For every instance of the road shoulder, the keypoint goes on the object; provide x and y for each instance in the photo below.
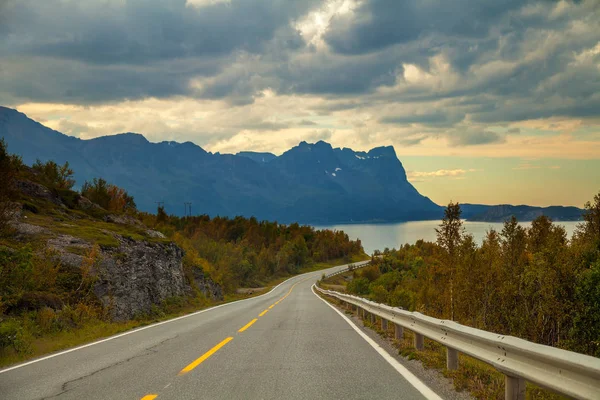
(431, 378)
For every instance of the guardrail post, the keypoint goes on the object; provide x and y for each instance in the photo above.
(419, 341)
(384, 324)
(514, 388)
(398, 332)
(451, 358)
(373, 318)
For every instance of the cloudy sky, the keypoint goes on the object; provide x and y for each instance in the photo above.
(487, 101)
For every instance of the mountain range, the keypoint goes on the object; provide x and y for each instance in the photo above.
(310, 183)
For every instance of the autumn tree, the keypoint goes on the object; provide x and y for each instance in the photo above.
(110, 197)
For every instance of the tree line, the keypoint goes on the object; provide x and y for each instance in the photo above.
(533, 283)
(247, 252)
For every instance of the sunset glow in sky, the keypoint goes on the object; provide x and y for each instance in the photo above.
(484, 101)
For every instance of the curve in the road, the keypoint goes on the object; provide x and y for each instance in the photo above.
(262, 347)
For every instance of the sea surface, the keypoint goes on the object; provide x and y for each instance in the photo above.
(393, 235)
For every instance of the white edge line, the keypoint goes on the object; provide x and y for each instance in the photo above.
(139, 329)
(401, 369)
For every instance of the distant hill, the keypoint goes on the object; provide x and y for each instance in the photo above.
(310, 183)
(500, 213)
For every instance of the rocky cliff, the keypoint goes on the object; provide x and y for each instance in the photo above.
(135, 275)
(135, 268)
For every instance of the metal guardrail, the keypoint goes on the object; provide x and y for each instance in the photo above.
(568, 373)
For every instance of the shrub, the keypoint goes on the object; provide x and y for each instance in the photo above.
(402, 298)
(54, 176)
(46, 319)
(12, 336)
(71, 317)
(30, 207)
(370, 273)
(107, 196)
(68, 197)
(359, 286)
(39, 300)
(379, 294)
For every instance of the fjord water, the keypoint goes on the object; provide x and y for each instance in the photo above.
(379, 236)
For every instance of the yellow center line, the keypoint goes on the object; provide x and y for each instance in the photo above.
(263, 313)
(205, 356)
(248, 325)
(271, 306)
(150, 397)
(290, 291)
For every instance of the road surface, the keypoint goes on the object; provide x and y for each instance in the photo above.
(285, 344)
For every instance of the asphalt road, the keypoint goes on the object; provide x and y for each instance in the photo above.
(294, 346)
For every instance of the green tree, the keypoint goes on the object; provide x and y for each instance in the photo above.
(9, 168)
(449, 238)
(591, 216)
(54, 176)
(97, 192)
(359, 286)
(586, 325)
(161, 215)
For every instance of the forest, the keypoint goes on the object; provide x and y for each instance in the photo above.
(533, 283)
(245, 252)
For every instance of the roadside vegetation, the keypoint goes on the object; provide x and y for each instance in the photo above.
(47, 305)
(245, 252)
(533, 283)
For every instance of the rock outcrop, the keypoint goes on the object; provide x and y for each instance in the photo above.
(32, 189)
(207, 286)
(137, 275)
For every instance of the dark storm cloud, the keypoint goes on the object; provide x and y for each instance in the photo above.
(55, 80)
(377, 24)
(325, 74)
(97, 51)
(143, 31)
(508, 60)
